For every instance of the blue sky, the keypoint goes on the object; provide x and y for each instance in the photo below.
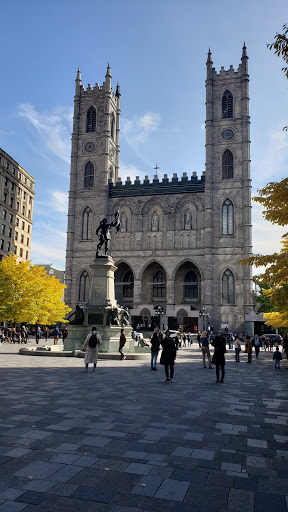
(157, 50)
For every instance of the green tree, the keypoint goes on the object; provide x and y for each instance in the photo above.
(28, 294)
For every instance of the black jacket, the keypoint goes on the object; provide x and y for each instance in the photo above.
(168, 355)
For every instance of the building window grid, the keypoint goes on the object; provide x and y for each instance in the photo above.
(128, 285)
(159, 285)
(191, 285)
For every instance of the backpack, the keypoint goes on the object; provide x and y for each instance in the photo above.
(93, 341)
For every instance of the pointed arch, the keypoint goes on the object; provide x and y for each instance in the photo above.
(86, 224)
(228, 287)
(91, 120)
(227, 105)
(112, 128)
(89, 175)
(227, 165)
(84, 286)
(228, 218)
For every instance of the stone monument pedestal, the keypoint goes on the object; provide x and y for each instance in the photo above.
(101, 311)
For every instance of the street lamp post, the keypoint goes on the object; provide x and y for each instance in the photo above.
(203, 314)
(159, 311)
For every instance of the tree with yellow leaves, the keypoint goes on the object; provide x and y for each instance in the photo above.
(274, 198)
(28, 294)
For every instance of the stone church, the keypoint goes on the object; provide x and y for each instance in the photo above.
(181, 238)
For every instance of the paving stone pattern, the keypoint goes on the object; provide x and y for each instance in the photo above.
(122, 439)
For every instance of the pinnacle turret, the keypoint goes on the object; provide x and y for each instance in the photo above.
(118, 93)
(209, 58)
(244, 59)
(78, 81)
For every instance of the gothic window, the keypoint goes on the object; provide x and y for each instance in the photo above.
(227, 105)
(228, 288)
(159, 285)
(128, 284)
(86, 223)
(84, 286)
(191, 285)
(227, 165)
(91, 120)
(113, 126)
(89, 175)
(227, 218)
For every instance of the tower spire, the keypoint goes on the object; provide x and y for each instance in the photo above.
(209, 64)
(108, 78)
(244, 59)
(78, 81)
(209, 58)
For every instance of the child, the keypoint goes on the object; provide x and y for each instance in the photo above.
(277, 356)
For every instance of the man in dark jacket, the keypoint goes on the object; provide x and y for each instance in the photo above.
(219, 344)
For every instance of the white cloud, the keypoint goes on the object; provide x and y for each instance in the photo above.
(48, 245)
(59, 200)
(272, 166)
(138, 130)
(266, 236)
(131, 171)
(7, 132)
(54, 128)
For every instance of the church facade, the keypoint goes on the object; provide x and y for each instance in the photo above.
(181, 238)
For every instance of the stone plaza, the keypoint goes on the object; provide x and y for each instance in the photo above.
(123, 440)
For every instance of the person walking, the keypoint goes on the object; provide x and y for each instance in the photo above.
(64, 334)
(168, 356)
(198, 339)
(38, 334)
(277, 356)
(248, 348)
(56, 334)
(256, 343)
(237, 345)
(204, 340)
(91, 344)
(46, 333)
(219, 344)
(155, 346)
(122, 342)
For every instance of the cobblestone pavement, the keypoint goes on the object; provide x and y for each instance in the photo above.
(122, 439)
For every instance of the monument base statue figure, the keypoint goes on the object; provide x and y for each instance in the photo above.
(79, 316)
(103, 231)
